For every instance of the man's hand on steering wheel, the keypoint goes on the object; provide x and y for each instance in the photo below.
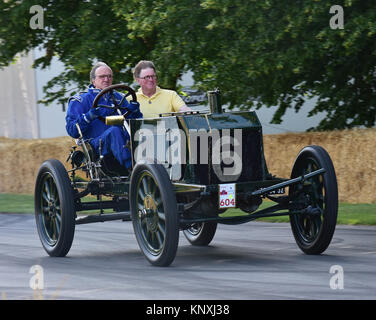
(133, 106)
(93, 113)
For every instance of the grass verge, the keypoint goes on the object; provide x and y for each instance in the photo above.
(351, 214)
(348, 213)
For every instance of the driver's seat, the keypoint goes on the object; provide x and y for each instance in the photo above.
(112, 167)
(109, 164)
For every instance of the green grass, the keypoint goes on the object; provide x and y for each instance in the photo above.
(17, 203)
(24, 203)
(352, 214)
(363, 213)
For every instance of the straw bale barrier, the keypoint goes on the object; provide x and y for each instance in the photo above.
(353, 153)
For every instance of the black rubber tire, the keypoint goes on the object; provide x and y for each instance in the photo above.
(313, 234)
(201, 234)
(54, 208)
(156, 231)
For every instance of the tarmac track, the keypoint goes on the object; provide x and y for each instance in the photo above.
(251, 261)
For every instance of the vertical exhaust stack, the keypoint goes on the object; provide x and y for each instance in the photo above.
(214, 98)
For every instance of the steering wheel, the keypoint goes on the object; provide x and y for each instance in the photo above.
(116, 105)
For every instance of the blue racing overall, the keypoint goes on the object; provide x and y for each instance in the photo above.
(112, 139)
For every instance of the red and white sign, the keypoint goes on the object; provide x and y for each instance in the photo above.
(227, 195)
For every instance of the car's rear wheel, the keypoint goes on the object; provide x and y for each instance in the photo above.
(54, 208)
(313, 231)
(154, 213)
(201, 234)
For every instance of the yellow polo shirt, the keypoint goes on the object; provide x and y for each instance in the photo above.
(162, 101)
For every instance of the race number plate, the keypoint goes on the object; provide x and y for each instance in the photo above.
(277, 191)
(227, 195)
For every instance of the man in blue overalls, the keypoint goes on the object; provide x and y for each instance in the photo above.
(110, 139)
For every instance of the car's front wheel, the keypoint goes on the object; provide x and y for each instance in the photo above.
(154, 213)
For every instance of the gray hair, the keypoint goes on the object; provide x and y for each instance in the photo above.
(94, 69)
(143, 64)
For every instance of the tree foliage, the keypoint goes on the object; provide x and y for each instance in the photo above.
(273, 53)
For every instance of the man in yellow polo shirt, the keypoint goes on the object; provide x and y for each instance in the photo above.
(154, 100)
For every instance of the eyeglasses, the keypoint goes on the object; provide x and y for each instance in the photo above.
(102, 76)
(152, 77)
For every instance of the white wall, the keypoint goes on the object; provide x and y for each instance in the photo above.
(51, 117)
(18, 109)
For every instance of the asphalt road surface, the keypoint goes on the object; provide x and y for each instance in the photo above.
(251, 261)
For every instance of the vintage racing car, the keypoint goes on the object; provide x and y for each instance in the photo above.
(188, 169)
